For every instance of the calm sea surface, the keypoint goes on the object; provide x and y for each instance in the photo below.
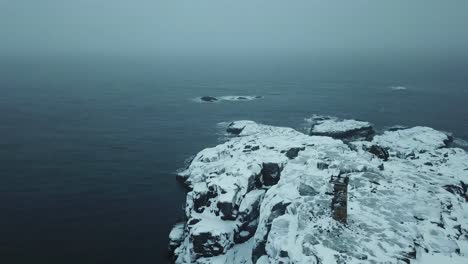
(89, 146)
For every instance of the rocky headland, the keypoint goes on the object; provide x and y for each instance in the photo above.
(339, 194)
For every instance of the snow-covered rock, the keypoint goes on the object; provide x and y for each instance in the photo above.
(265, 196)
(419, 139)
(177, 236)
(345, 129)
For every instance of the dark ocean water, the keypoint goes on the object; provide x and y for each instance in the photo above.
(89, 146)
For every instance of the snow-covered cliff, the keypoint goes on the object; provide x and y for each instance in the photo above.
(265, 196)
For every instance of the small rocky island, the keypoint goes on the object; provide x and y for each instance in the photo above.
(234, 98)
(340, 194)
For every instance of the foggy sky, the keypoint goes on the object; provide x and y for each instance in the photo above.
(194, 27)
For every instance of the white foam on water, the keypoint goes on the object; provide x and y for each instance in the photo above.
(398, 88)
(197, 100)
(239, 97)
(460, 143)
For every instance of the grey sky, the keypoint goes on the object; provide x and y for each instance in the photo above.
(185, 27)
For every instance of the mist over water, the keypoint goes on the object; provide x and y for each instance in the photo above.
(425, 28)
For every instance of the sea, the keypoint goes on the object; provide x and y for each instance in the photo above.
(90, 145)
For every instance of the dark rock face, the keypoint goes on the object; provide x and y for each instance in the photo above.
(202, 199)
(246, 231)
(234, 130)
(271, 173)
(193, 222)
(276, 211)
(209, 99)
(208, 245)
(254, 182)
(249, 218)
(396, 128)
(228, 210)
(259, 251)
(293, 152)
(181, 179)
(458, 190)
(449, 140)
(380, 152)
(366, 133)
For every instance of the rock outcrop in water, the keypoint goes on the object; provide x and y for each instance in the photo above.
(270, 195)
(212, 99)
(347, 129)
(209, 99)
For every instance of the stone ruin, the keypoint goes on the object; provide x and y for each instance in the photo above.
(339, 204)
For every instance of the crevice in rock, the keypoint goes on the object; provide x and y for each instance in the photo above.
(277, 210)
(271, 173)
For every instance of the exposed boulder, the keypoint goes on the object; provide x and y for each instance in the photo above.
(322, 165)
(293, 152)
(209, 99)
(380, 152)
